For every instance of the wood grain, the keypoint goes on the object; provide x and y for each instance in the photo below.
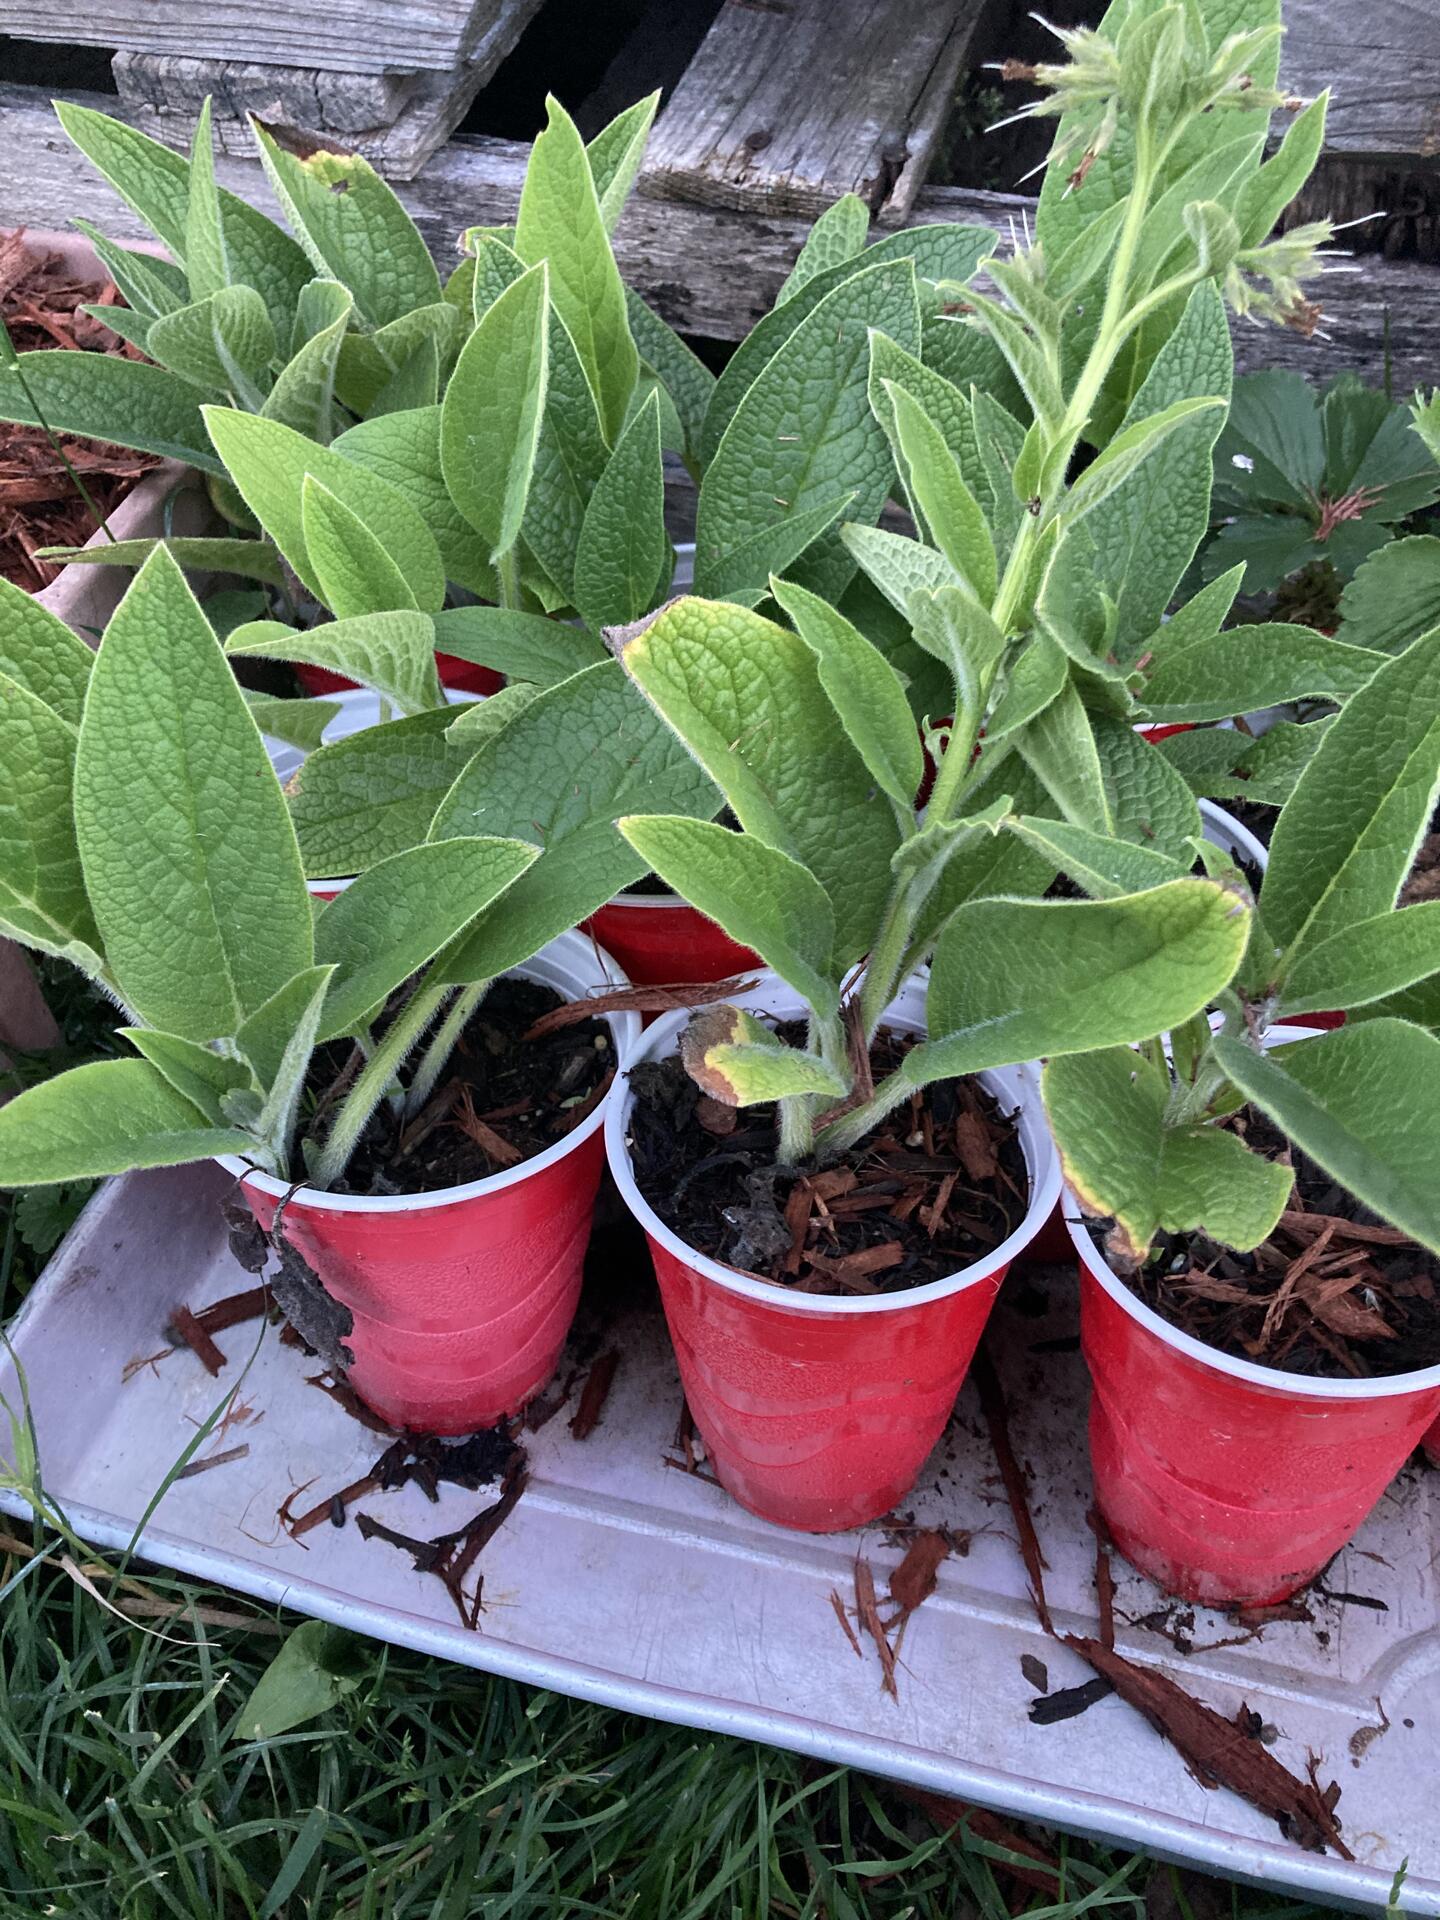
(352, 35)
(715, 273)
(1382, 62)
(790, 103)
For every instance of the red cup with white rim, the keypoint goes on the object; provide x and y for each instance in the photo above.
(1230, 1483)
(818, 1413)
(462, 1298)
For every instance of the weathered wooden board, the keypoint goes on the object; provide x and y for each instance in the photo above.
(1382, 62)
(396, 36)
(715, 273)
(790, 103)
(396, 120)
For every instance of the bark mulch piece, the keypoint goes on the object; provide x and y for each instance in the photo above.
(594, 1394)
(914, 1580)
(509, 1096)
(1217, 1751)
(41, 301)
(1040, 1871)
(197, 1339)
(654, 999)
(936, 1186)
(1334, 1293)
(450, 1556)
(221, 1459)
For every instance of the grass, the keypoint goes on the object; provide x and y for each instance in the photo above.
(390, 1786)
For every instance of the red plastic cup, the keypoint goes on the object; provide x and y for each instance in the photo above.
(1431, 1444)
(1164, 732)
(463, 675)
(462, 1298)
(659, 941)
(1227, 1482)
(818, 1413)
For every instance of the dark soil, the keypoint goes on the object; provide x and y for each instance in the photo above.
(1424, 881)
(41, 301)
(1258, 818)
(936, 1185)
(1334, 1294)
(506, 1098)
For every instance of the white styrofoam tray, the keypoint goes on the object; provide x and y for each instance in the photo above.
(621, 1580)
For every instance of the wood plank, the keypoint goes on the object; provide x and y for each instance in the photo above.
(684, 259)
(1383, 63)
(395, 120)
(400, 36)
(790, 103)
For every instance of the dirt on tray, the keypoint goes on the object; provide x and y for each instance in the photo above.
(41, 301)
(505, 1097)
(1334, 1294)
(938, 1184)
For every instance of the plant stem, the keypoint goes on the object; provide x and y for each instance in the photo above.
(375, 1077)
(15, 366)
(507, 568)
(797, 1130)
(441, 1045)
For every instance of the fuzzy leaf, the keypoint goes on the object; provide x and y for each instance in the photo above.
(761, 897)
(685, 376)
(481, 720)
(254, 559)
(898, 566)
(403, 449)
(738, 1061)
(356, 574)
(581, 755)
(1336, 1098)
(522, 646)
(615, 155)
(1347, 837)
(1367, 960)
(490, 419)
(560, 222)
(1215, 676)
(197, 1073)
(190, 860)
(1038, 674)
(373, 793)
(1107, 1112)
(303, 396)
(712, 669)
(398, 914)
(99, 396)
(1102, 867)
(1394, 596)
(804, 431)
(353, 228)
(393, 652)
(623, 550)
(1017, 980)
(772, 549)
(864, 689)
(836, 237)
(951, 512)
(43, 655)
(42, 889)
(224, 342)
(110, 1117)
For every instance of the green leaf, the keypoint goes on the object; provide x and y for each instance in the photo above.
(951, 512)
(198, 1074)
(303, 396)
(1147, 801)
(403, 449)
(1134, 448)
(1102, 867)
(571, 456)
(368, 369)
(1265, 769)
(355, 573)
(190, 861)
(225, 342)
(254, 559)
(560, 222)
(99, 396)
(864, 689)
(156, 183)
(745, 697)
(687, 379)
(393, 652)
(317, 1667)
(111, 1117)
(481, 720)
(299, 723)
(149, 285)
(615, 155)
(624, 549)
(836, 237)
(1367, 960)
(738, 1061)
(490, 418)
(772, 549)
(1394, 596)
(1338, 1099)
(266, 1039)
(804, 431)
(1018, 980)
(1270, 189)
(373, 793)
(398, 914)
(522, 646)
(1038, 674)
(353, 229)
(1346, 838)
(581, 755)
(927, 854)
(1107, 1112)
(897, 565)
(1216, 675)
(1059, 746)
(761, 897)
(42, 890)
(268, 462)
(43, 655)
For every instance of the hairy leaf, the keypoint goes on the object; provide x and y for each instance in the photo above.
(110, 1117)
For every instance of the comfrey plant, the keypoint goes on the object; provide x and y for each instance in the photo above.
(148, 842)
(1142, 1135)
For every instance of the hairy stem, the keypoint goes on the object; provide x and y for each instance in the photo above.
(375, 1077)
(507, 568)
(797, 1130)
(441, 1045)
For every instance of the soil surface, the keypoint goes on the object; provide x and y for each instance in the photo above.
(938, 1184)
(1334, 1293)
(41, 302)
(504, 1099)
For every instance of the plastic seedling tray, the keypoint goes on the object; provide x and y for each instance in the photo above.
(622, 1580)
